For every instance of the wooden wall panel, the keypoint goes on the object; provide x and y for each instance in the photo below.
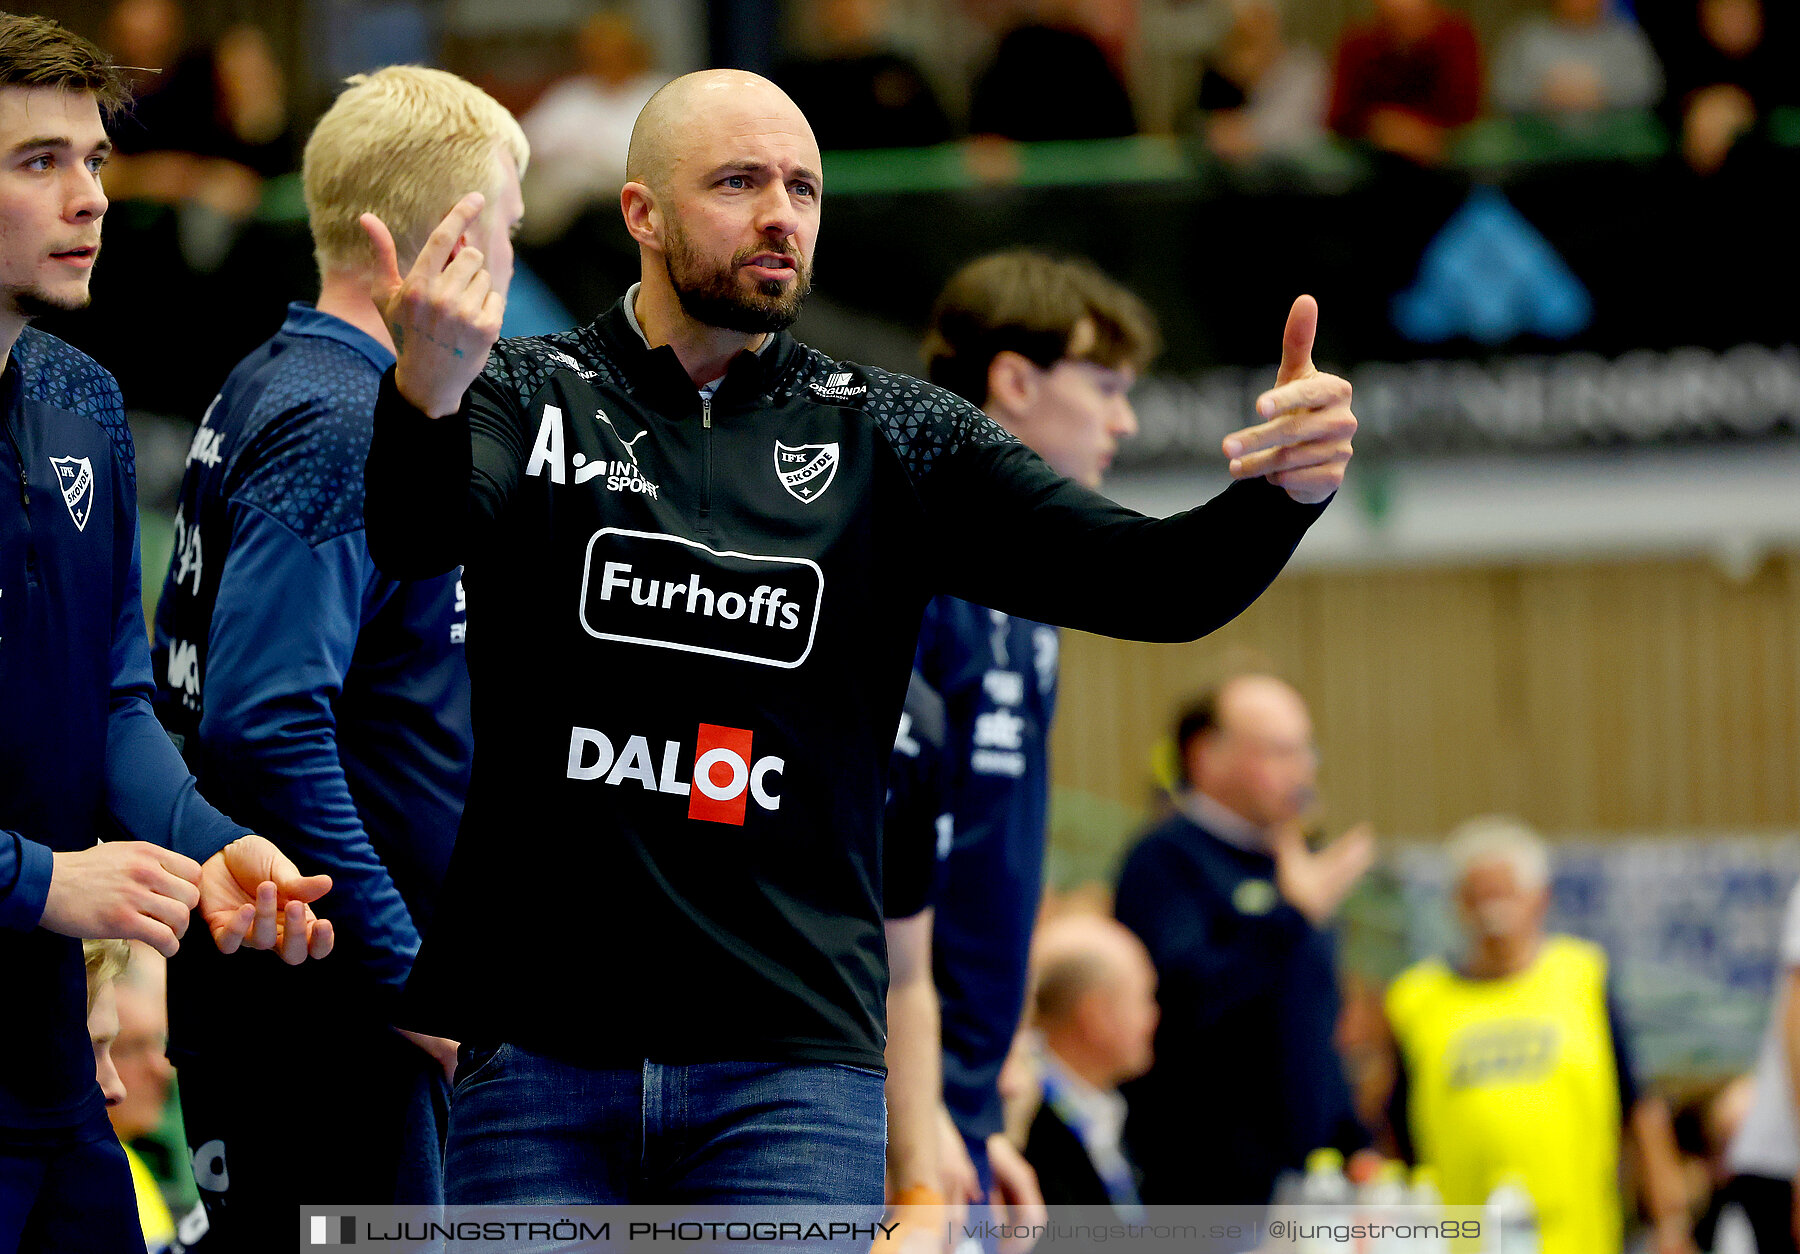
(1651, 695)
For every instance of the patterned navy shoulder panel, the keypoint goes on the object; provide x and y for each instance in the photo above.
(920, 420)
(521, 366)
(57, 374)
(302, 447)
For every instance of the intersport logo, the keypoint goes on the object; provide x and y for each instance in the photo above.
(724, 773)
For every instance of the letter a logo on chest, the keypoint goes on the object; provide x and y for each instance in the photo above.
(806, 471)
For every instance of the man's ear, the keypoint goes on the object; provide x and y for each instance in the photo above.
(1012, 382)
(643, 218)
(1094, 1011)
(1198, 747)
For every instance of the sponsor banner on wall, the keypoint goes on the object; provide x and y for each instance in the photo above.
(1527, 403)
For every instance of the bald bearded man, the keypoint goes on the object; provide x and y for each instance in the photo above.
(697, 553)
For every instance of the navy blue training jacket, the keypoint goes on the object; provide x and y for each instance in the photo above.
(82, 757)
(313, 695)
(997, 675)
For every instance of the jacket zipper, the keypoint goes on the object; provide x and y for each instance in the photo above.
(19, 458)
(706, 459)
(17, 439)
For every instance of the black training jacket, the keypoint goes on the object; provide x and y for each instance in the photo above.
(691, 625)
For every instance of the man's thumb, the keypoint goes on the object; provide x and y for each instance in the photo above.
(1287, 836)
(1297, 341)
(307, 888)
(387, 259)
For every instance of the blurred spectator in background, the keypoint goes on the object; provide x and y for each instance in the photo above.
(142, 1119)
(1726, 70)
(860, 92)
(207, 129)
(1095, 1010)
(1581, 57)
(1705, 1125)
(1404, 81)
(1516, 1067)
(106, 962)
(1765, 1155)
(145, 37)
(581, 126)
(1050, 79)
(1259, 93)
(1234, 908)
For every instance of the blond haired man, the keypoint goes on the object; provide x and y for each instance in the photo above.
(324, 697)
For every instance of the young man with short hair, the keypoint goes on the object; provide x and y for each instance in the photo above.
(85, 759)
(315, 694)
(1049, 349)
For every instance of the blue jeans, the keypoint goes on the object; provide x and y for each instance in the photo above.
(529, 1130)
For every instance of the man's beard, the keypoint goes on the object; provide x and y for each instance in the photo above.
(715, 298)
(35, 302)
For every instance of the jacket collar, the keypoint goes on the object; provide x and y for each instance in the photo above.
(658, 372)
(304, 319)
(1225, 824)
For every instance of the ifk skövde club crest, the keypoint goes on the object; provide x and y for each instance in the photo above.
(75, 475)
(806, 471)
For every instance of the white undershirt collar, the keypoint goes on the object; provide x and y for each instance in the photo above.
(705, 389)
(1222, 821)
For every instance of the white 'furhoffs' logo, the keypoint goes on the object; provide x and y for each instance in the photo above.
(806, 471)
(75, 476)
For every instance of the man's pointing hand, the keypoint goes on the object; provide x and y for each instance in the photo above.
(444, 314)
(1303, 444)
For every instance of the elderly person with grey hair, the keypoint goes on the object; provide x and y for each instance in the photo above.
(1514, 1066)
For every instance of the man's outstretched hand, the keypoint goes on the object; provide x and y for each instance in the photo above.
(251, 894)
(444, 314)
(1316, 883)
(1303, 443)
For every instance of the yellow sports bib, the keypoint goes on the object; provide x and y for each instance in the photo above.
(1516, 1077)
(153, 1213)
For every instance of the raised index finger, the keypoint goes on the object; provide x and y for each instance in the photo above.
(1316, 391)
(436, 253)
